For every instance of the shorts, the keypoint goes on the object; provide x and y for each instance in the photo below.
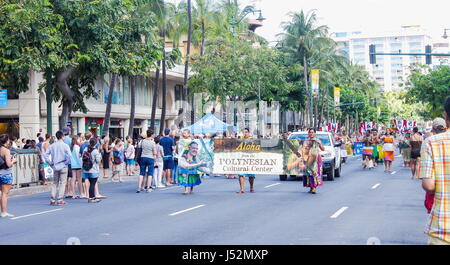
(147, 166)
(130, 161)
(415, 154)
(169, 164)
(247, 175)
(118, 167)
(6, 179)
(90, 175)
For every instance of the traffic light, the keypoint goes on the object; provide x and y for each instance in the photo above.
(428, 54)
(373, 59)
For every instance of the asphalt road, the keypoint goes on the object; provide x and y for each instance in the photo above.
(358, 207)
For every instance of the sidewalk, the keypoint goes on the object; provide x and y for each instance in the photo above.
(47, 188)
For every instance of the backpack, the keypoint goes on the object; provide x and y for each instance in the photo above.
(138, 153)
(117, 158)
(87, 160)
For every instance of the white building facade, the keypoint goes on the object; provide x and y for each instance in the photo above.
(390, 70)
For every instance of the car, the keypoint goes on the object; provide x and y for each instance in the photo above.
(331, 157)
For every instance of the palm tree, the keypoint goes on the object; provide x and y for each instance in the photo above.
(298, 41)
(158, 8)
(188, 55)
(132, 82)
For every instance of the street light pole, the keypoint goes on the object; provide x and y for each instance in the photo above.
(247, 10)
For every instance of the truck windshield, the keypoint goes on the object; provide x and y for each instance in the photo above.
(322, 137)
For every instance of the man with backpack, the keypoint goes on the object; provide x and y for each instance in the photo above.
(58, 156)
(91, 159)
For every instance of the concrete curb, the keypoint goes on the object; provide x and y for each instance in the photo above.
(47, 188)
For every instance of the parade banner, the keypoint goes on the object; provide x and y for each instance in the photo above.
(253, 156)
(205, 149)
(337, 97)
(315, 82)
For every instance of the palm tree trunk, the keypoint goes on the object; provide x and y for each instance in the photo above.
(132, 81)
(164, 91)
(155, 97)
(202, 48)
(308, 102)
(188, 54)
(109, 105)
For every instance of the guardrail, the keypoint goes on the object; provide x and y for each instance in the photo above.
(26, 170)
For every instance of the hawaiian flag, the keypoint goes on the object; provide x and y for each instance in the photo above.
(366, 126)
(404, 125)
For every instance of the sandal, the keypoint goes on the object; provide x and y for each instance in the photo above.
(252, 191)
(7, 215)
(240, 192)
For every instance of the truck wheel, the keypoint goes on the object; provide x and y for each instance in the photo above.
(337, 172)
(330, 174)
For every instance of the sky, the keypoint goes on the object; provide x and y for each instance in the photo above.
(364, 15)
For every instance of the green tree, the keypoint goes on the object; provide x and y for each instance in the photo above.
(235, 70)
(431, 87)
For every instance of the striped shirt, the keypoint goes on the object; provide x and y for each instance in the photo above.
(435, 164)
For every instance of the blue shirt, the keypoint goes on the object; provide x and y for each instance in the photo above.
(167, 143)
(76, 160)
(68, 140)
(60, 154)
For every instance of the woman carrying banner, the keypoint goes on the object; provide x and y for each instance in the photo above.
(308, 163)
(189, 169)
(251, 177)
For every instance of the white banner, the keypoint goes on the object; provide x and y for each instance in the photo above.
(248, 163)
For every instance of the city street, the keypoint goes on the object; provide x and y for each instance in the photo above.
(361, 204)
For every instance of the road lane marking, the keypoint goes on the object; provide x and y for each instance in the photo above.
(190, 209)
(339, 212)
(376, 186)
(169, 188)
(268, 186)
(33, 214)
(393, 172)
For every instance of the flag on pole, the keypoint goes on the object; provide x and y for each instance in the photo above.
(337, 97)
(315, 82)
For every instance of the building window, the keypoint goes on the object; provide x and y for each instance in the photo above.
(179, 93)
(377, 40)
(359, 41)
(359, 47)
(416, 38)
(341, 34)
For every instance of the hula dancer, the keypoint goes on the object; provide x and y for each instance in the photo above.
(374, 141)
(189, 174)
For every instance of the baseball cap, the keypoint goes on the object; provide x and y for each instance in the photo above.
(439, 122)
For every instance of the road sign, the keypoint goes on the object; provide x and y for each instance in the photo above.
(3, 98)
